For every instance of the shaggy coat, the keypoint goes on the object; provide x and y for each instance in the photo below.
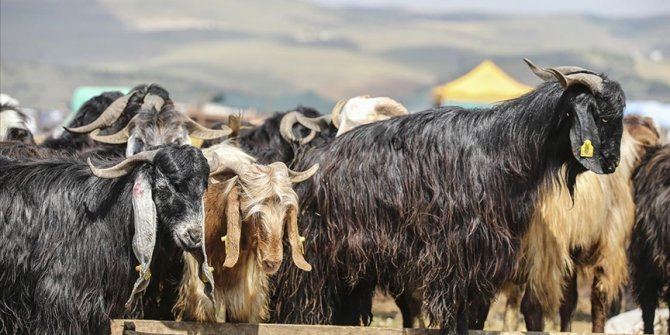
(649, 250)
(70, 244)
(439, 203)
(584, 232)
(266, 143)
(88, 112)
(260, 200)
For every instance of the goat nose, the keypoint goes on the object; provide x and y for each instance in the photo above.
(195, 235)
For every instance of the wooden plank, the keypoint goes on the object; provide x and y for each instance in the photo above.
(173, 327)
(152, 327)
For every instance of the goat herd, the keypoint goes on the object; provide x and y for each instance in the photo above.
(441, 209)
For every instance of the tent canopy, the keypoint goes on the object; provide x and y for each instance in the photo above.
(486, 83)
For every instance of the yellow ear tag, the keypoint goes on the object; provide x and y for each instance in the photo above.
(223, 239)
(301, 239)
(586, 149)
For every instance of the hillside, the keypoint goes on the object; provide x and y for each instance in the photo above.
(271, 54)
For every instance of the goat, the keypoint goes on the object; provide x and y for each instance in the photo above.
(87, 113)
(70, 232)
(13, 122)
(155, 121)
(346, 115)
(267, 144)
(584, 232)
(362, 110)
(649, 249)
(250, 209)
(284, 133)
(441, 199)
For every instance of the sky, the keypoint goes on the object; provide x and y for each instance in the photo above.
(609, 8)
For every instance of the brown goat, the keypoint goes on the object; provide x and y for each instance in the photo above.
(247, 212)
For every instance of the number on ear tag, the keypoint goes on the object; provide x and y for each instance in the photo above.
(586, 149)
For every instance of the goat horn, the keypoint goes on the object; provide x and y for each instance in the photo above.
(119, 137)
(286, 126)
(297, 177)
(335, 113)
(295, 240)
(568, 76)
(314, 124)
(544, 74)
(107, 117)
(389, 107)
(233, 228)
(124, 167)
(592, 81)
(221, 167)
(197, 130)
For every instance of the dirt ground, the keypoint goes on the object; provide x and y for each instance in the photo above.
(386, 314)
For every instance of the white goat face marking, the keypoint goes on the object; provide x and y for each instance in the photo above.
(10, 119)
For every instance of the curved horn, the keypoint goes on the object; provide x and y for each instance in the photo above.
(119, 137)
(124, 167)
(222, 167)
(297, 177)
(544, 74)
(568, 76)
(196, 130)
(286, 126)
(295, 240)
(335, 113)
(107, 117)
(389, 107)
(314, 124)
(233, 228)
(592, 81)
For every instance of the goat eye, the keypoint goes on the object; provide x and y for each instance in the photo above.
(604, 120)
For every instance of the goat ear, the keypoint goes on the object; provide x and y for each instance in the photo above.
(233, 228)
(295, 240)
(584, 136)
(144, 240)
(205, 272)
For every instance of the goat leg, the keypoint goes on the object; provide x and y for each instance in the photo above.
(648, 299)
(480, 310)
(532, 312)
(569, 303)
(599, 304)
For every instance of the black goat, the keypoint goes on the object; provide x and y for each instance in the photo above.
(649, 249)
(71, 241)
(153, 120)
(438, 201)
(89, 112)
(266, 143)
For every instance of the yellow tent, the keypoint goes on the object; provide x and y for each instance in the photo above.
(486, 83)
